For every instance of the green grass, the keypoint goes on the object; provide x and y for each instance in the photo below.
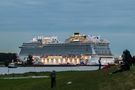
(94, 80)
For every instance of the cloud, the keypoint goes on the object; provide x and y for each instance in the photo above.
(31, 2)
(19, 3)
(6, 3)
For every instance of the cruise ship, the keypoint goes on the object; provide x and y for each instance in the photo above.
(78, 49)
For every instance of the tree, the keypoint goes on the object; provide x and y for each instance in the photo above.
(8, 58)
(15, 57)
(30, 60)
(127, 59)
(133, 60)
(6, 63)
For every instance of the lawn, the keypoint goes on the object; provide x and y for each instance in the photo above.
(90, 80)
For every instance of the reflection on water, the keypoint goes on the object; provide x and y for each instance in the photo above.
(5, 70)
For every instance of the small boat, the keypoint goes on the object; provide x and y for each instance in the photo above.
(12, 65)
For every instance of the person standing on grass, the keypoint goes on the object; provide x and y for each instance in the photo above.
(53, 79)
(99, 62)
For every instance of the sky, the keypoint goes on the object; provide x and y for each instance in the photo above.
(21, 20)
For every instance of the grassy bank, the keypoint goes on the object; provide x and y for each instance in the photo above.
(95, 80)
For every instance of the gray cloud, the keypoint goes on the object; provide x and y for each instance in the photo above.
(19, 3)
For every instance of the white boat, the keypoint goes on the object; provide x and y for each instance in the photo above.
(12, 65)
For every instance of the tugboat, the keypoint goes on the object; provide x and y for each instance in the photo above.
(12, 65)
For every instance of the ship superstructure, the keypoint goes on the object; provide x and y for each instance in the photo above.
(77, 49)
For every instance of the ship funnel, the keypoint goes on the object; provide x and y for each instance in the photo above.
(76, 33)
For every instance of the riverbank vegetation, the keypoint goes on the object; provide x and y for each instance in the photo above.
(90, 80)
(6, 58)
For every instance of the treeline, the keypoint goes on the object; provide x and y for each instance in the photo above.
(7, 58)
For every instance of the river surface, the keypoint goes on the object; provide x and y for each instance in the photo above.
(19, 70)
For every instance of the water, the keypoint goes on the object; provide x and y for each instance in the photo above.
(19, 70)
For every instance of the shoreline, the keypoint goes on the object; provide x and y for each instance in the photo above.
(6, 70)
(51, 65)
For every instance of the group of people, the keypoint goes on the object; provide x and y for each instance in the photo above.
(127, 62)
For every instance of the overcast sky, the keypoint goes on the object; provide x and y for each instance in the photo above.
(20, 20)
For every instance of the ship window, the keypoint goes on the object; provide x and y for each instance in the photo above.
(51, 60)
(56, 60)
